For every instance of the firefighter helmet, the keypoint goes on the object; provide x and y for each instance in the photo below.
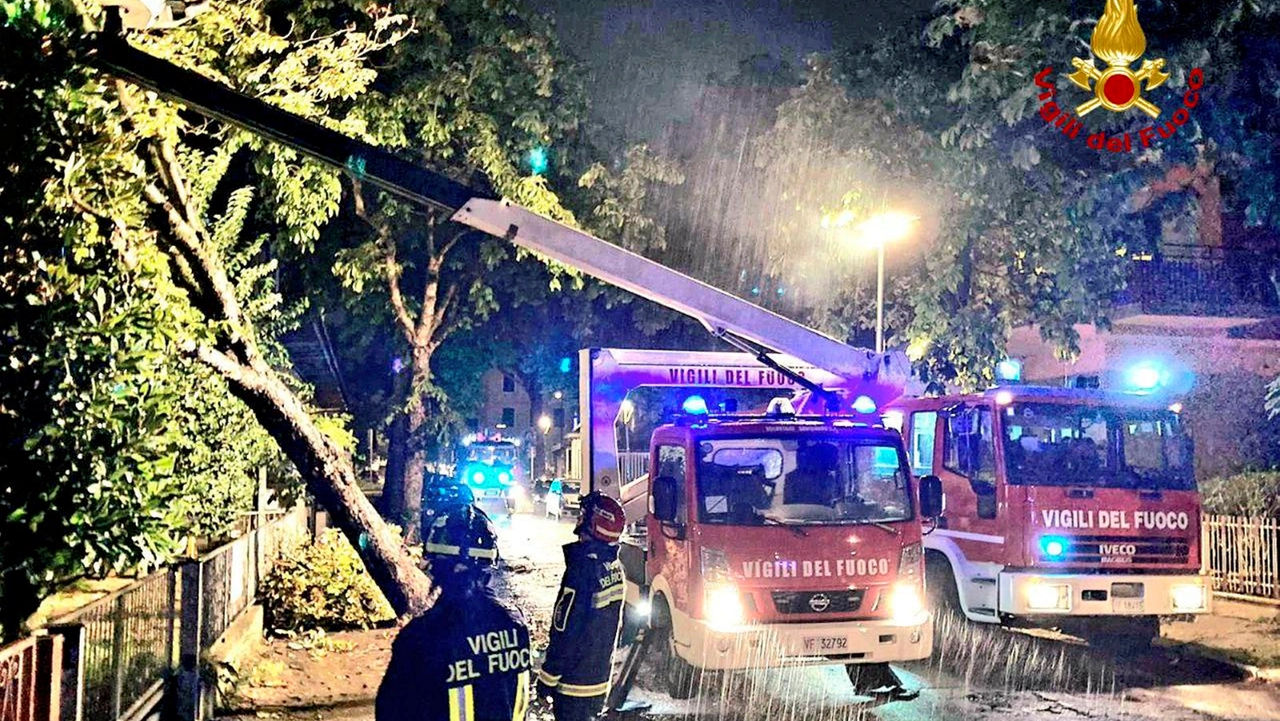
(602, 517)
(463, 534)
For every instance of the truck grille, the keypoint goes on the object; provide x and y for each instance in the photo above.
(841, 601)
(1144, 550)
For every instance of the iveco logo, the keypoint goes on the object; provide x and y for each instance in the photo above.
(819, 602)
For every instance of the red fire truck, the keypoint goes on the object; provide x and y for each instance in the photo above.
(1066, 508)
(773, 537)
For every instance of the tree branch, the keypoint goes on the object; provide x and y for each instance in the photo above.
(390, 269)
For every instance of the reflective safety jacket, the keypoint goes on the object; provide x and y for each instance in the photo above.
(584, 626)
(466, 659)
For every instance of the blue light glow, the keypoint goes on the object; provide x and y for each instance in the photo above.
(695, 406)
(538, 160)
(1053, 547)
(864, 404)
(477, 477)
(504, 477)
(1009, 369)
(1144, 377)
(566, 364)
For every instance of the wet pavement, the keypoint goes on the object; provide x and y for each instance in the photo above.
(978, 672)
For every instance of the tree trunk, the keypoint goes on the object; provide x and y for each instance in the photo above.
(391, 504)
(416, 453)
(330, 477)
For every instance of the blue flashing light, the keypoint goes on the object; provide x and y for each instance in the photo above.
(504, 477)
(1054, 548)
(695, 406)
(1145, 377)
(538, 160)
(566, 364)
(477, 477)
(1009, 369)
(864, 404)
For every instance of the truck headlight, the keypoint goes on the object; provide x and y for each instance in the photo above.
(1188, 597)
(723, 606)
(504, 477)
(1049, 597)
(906, 603)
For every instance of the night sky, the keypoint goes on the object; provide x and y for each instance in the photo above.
(649, 59)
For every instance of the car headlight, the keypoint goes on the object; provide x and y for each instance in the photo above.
(1188, 597)
(1049, 597)
(906, 603)
(723, 606)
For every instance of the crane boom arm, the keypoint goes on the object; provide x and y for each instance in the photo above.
(723, 314)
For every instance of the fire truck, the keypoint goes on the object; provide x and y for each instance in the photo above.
(491, 468)
(788, 536)
(1067, 508)
(782, 536)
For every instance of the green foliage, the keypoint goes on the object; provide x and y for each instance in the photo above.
(1252, 494)
(323, 586)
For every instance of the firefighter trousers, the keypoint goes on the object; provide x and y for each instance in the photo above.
(577, 708)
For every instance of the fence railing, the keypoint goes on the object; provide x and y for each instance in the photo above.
(1243, 555)
(30, 687)
(632, 465)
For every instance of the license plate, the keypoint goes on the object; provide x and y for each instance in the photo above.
(819, 644)
(1126, 605)
(490, 493)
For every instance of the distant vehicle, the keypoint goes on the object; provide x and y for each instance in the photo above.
(491, 469)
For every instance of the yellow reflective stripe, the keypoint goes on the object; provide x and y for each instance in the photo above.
(547, 678)
(488, 553)
(522, 697)
(461, 704)
(577, 691)
(613, 594)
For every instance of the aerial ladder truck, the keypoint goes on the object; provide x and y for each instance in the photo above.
(790, 536)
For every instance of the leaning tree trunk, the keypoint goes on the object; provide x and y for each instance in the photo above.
(391, 503)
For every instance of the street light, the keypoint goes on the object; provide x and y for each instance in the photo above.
(626, 411)
(544, 422)
(877, 230)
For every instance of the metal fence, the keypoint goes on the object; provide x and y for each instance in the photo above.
(632, 465)
(126, 646)
(30, 682)
(1243, 555)
(231, 574)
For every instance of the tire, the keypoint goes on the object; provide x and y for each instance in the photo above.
(679, 677)
(868, 677)
(940, 585)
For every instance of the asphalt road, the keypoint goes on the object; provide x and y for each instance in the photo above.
(978, 673)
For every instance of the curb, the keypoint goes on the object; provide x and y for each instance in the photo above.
(1265, 674)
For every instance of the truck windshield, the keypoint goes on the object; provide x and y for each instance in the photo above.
(492, 453)
(1048, 444)
(810, 481)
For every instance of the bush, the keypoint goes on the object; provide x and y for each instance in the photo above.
(323, 586)
(1253, 493)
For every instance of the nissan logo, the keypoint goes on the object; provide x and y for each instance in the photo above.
(819, 602)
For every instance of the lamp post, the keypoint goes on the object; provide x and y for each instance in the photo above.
(878, 230)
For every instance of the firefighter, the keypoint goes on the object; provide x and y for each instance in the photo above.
(584, 626)
(467, 658)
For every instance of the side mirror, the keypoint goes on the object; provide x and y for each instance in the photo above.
(932, 502)
(665, 499)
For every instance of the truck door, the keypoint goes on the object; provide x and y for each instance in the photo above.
(967, 467)
(669, 551)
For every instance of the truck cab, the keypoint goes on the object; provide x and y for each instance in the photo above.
(780, 539)
(1065, 508)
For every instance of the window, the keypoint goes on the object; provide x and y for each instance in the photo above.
(671, 462)
(508, 417)
(924, 427)
(508, 383)
(970, 446)
(801, 481)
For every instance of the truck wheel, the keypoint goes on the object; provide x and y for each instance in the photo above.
(940, 585)
(869, 677)
(678, 675)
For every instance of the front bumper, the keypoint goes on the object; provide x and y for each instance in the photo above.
(1100, 594)
(763, 645)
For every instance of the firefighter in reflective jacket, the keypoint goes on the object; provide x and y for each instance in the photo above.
(584, 627)
(467, 658)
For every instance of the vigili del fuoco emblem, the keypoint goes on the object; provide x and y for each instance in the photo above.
(1118, 40)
